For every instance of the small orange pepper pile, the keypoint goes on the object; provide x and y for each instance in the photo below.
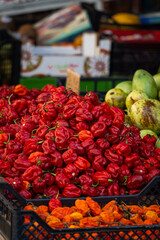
(88, 213)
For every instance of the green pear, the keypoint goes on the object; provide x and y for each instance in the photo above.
(145, 114)
(143, 80)
(116, 97)
(157, 145)
(134, 96)
(126, 86)
(144, 132)
(157, 80)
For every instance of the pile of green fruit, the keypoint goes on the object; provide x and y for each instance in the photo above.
(140, 99)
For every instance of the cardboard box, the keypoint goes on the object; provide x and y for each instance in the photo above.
(56, 65)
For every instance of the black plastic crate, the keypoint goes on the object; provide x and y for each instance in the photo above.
(12, 225)
(126, 58)
(99, 85)
(10, 57)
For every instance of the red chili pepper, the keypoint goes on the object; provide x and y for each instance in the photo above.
(81, 163)
(123, 148)
(102, 143)
(13, 147)
(56, 159)
(92, 153)
(85, 134)
(134, 191)
(153, 172)
(132, 160)
(85, 179)
(118, 116)
(11, 172)
(22, 136)
(48, 111)
(77, 147)
(113, 157)
(124, 173)
(103, 177)
(71, 191)
(54, 203)
(113, 135)
(31, 173)
(62, 123)
(147, 150)
(39, 184)
(102, 190)
(69, 111)
(88, 190)
(82, 126)
(88, 144)
(49, 178)
(83, 114)
(15, 182)
(51, 191)
(25, 193)
(140, 169)
(151, 162)
(106, 118)
(149, 139)
(19, 105)
(93, 97)
(135, 181)
(44, 161)
(42, 131)
(97, 111)
(113, 189)
(50, 135)
(157, 154)
(90, 171)
(69, 156)
(113, 169)
(10, 113)
(4, 165)
(61, 180)
(32, 145)
(71, 171)
(48, 146)
(98, 129)
(22, 164)
(99, 163)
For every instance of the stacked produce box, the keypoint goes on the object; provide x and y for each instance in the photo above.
(57, 145)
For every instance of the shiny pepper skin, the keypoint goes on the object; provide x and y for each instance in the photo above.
(98, 129)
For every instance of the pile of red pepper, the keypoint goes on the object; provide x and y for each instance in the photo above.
(54, 142)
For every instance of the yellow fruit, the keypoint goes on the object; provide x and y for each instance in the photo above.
(126, 18)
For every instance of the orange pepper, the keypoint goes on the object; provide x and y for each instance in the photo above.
(82, 206)
(125, 221)
(107, 217)
(33, 156)
(61, 212)
(136, 219)
(148, 221)
(26, 185)
(89, 222)
(20, 90)
(117, 216)
(134, 209)
(56, 225)
(112, 206)
(52, 219)
(151, 214)
(94, 206)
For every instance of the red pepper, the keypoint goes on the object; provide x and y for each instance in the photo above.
(71, 171)
(11, 158)
(103, 177)
(83, 114)
(10, 113)
(51, 191)
(123, 148)
(62, 136)
(149, 139)
(77, 147)
(56, 159)
(44, 161)
(97, 111)
(147, 150)
(124, 173)
(50, 135)
(22, 136)
(81, 163)
(132, 160)
(48, 111)
(140, 169)
(11, 172)
(102, 190)
(118, 116)
(82, 126)
(113, 189)
(15, 182)
(54, 203)
(85, 179)
(73, 123)
(25, 193)
(61, 180)
(39, 184)
(88, 144)
(90, 171)
(88, 190)
(113, 135)
(135, 181)
(32, 145)
(69, 156)
(69, 111)
(99, 163)
(62, 123)
(85, 134)
(4, 165)
(3, 139)
(157, 154)
(98, 129)
(93, 97)
(31, 173)
(92, 153)
(71, 191)
(74, 140)
(113, 157)
(106, 118)
(13, 147)
(22, 164)
(102, 143)
(153, 172)
(49, 178)
(113, 169)
(48, 146)
(19, 105)
(42, 131)
(151, 162)
(134, 191)
(63, 132)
